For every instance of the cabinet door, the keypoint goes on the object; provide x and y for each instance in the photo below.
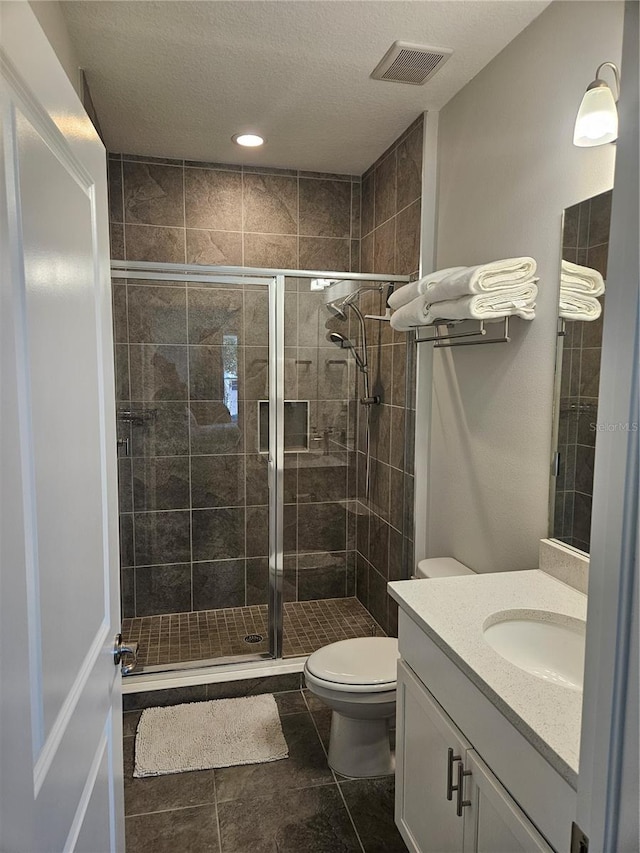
(425, 817)
(494, 823)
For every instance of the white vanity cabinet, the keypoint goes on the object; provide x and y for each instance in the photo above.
(447, 799)
(426, 744)
(497, 824)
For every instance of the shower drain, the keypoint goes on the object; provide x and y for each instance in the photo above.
(253, 638)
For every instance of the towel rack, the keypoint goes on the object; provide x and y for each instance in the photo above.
(137, 418)
(579, 408)
(449, 339)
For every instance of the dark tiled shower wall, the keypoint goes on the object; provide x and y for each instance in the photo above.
(586, 242)
(193, 493)
(178, 211)
(391, 206)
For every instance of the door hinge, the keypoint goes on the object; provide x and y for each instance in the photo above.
(579, 841)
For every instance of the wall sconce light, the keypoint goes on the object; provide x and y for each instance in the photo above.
(597, 120)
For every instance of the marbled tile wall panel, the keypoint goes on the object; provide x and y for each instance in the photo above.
(586, 242)
(179, 211)
(390, 242)
(193, 494)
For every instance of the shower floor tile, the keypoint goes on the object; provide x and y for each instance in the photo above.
(209, 634)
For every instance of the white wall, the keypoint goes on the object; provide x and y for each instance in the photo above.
(507, 169)
(51, 19)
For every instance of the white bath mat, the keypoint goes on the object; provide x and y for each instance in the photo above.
(202, 735)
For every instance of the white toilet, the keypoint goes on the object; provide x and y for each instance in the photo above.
(357, 680)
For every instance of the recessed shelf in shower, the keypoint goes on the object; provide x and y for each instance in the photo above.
(296, 426)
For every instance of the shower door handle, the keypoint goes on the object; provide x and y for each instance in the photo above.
(271, 473)
(120, 649)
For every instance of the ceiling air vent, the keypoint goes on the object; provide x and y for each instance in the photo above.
(410, 63)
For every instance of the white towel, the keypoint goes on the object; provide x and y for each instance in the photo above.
(408, 292)
(518, 301)
(579, 279)
(410, 315)
(577, 306)
(485, 278)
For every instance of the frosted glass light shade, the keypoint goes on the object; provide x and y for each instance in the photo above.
(597, 120)
(249, 140)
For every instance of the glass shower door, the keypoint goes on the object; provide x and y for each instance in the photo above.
(197, 427)
(320, 510)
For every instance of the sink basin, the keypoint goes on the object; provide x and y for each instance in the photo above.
(545, 644)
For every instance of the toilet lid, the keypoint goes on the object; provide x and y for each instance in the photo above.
(363, 660)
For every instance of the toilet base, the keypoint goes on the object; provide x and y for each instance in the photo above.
(360, 748)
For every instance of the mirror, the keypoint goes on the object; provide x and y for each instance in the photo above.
(585, 246)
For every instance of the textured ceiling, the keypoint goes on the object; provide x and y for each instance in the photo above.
(178, 79)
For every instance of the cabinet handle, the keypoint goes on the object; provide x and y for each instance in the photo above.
(460, 804)
(450, 786)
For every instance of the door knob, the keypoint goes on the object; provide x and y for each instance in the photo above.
(121, 649)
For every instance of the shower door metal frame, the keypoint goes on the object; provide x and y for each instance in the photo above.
(274, 279)
(276, 464)
(275, 467)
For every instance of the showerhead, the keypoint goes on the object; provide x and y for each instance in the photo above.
(338, 305)
(337, 310)
(340, 340)
(345, 343)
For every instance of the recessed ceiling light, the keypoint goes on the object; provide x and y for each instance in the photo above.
(249, 140)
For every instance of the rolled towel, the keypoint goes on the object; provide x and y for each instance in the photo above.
(408, 292)
(579, 279)
(485, 278)
(410, 315)
(576, 306)
(518, 302)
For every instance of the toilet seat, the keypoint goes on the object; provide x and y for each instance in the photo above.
(359, 692)
(359, 665)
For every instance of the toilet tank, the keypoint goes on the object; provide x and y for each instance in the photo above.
(441, 567)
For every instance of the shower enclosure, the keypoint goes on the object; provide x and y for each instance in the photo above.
(237, 427)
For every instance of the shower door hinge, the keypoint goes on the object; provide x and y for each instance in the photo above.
(579, 841)
(555, 464)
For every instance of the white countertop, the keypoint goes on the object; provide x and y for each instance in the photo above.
(452, 611)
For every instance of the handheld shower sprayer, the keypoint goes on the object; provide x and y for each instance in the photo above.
(339, 309)
(345, 343)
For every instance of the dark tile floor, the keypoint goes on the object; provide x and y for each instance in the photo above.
(297, 805)
(209, 634)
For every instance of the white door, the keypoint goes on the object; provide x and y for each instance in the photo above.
(608, 782)
(426, 772)
(493, 821)
(60, 724)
